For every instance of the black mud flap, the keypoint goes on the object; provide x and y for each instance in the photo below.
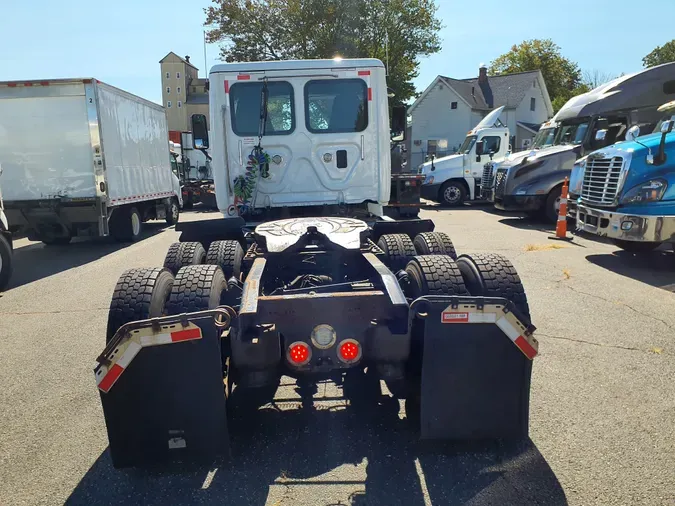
(476, 367)
(161, 386)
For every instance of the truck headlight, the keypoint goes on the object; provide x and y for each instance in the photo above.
(649, 191)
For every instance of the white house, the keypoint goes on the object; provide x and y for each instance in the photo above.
(442, 115)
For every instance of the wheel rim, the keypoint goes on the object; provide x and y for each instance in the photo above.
(452, 194)
(135, 223)
(174, 212)
(556, 205)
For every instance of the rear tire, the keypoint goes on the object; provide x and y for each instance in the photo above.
(552, 208)
(139, 294)
(172, 212)
(434, 243)
(197, 288)
(398, 248)
(635, 246)
(5, 262)
(434, 275)
(228, 255)
(181, 254)
(493, 275)
(126, 224)
(188, 201)
(452, 193)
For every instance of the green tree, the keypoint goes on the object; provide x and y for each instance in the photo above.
(662, 54)
(399, 32)
(562, 76)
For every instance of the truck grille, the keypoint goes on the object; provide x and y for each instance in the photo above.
(601, 180)
(500, 182)
(486, 181)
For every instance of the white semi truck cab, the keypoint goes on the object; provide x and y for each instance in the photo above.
(452, 179)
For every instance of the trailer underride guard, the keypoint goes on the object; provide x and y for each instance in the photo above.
(314, 298)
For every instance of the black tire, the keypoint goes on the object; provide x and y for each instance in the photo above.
(5, 262)
(139, 294)
(434, 275)
(197, 288)
(452, 193)
(172, 212)
(434, 243)
(552, 201)
(228, 255)
(398, 248)
(188, 201)
(126, 224)
(181, 254)
(493, 275)
(636, 247)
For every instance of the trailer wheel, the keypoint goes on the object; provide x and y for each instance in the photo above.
(398, 248)
(434, 275)
(228, 254)
(5, 262)
(181, 254)
(172, 212)
(126, 224)
(493, 275)
(197, 288)
(434, 243)
(139, 294)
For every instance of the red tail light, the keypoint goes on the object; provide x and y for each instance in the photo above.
(299, 353)
(349, 351)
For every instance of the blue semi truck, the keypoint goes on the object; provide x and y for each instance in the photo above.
(627, 190)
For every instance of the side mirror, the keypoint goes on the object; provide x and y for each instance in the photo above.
(200, 132)
(480, 148)
(633, 133)
(667, 126)
(399, 119)
(601, 135)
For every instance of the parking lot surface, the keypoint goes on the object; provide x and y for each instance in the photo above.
(602, 402)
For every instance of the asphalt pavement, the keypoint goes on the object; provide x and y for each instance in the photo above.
(602, 402)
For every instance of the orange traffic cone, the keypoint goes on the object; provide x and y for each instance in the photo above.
(561, 226)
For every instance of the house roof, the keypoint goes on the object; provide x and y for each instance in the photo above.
(171, 53)
(504, 90)
(532, 127)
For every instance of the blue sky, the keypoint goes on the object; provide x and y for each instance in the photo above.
(121, 42)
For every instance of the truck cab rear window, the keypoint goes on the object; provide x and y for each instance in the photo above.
(245, 100)
(336, 106)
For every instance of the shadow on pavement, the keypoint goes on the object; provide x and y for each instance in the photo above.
(527, 223)
(35, 261)
(297, 450)
(656, 268)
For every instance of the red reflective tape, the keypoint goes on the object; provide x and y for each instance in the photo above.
(44, 83)
(364, 72)
(243, 77)
(12, 85)
(109, 380)
(525, 347)
(186, 335)
(227, 87)
(448, 317)
(370, 93)
(28, 84)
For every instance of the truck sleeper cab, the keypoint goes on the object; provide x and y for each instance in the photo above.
(627, 190)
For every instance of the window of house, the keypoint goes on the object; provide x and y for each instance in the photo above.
(167, 75)
(168, 104)
(178, 90)
(177, 75)
(245, 108)
(333, 106)
(432, 146)
(453, 105)
(491, 143)
(533, 104)
(179, 104)
(669, 87)
(194, 89)
(168, 90)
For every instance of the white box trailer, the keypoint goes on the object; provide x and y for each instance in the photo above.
(82, 158)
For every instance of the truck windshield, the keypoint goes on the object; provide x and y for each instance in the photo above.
(657, 129)
(544, 138)
(571, 134)
(467, 144)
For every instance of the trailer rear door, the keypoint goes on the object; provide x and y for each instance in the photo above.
(45, 146)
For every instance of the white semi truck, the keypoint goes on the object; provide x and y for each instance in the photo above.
(453, 179)
(82, 158)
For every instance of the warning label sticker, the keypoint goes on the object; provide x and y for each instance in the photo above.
(453, 317)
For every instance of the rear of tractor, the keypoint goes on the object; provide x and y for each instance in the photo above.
(313, 299)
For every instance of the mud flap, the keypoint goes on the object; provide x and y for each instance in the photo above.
(161, 386)
(476, 368)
